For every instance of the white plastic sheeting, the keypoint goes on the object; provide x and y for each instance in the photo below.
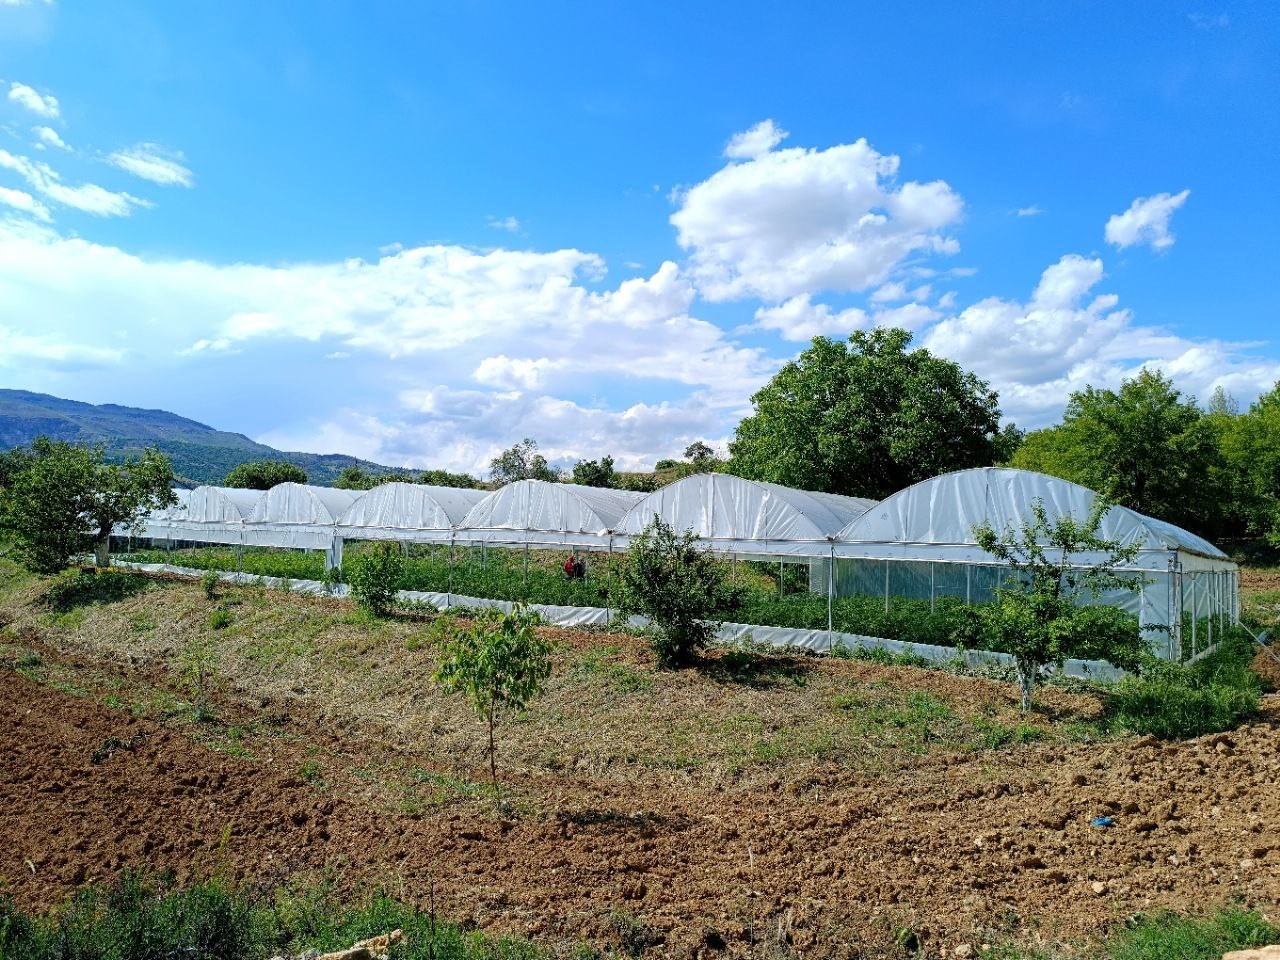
(222, 504)
(543, 512)
(934, 519)
(746, 516)
(298, 515)
(407, 511)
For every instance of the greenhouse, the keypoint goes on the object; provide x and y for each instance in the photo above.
(407, 511)
(919, 543)
(818, 568)
(747, 517)
(536, 512)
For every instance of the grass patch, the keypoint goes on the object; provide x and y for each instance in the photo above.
(80, 588)
(1165, 936)
(153, 920)
(602, 663)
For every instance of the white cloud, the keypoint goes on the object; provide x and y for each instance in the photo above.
(889, 293)
(25, 202)
(796, 221)
(798, 319)
(759, 140)
(18, 347)
(1146, 221)
(88, 197)
(509, 224)
(24, 3)
(1031, 211)
(1066, 337)
(501, 329)
(48, 137)
(42, 105)
(152, 162)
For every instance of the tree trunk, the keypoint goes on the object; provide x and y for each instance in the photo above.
(493, 754)
(1027, 671)
(102, 553)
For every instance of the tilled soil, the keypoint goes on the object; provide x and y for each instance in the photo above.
(958, 848)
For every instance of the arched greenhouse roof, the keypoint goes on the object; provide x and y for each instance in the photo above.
(942, 512)
(300, 503)
(551, 508)
(721, 507)
(394, 509)
(209, 504)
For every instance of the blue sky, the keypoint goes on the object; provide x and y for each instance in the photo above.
(418, 233)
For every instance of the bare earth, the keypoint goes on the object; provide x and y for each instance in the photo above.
(645, 808)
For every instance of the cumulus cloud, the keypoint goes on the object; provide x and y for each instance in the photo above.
(48, 137)
(799, 319)
(1066, 337)
(1146, 221)
(760, 139)
(477, 325)
(794, 221)
(1031, 211)
(509, 224)
(152, 162)
(24, 202)
(88, 197)
(42, 105)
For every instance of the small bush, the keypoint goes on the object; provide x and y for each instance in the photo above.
(219, 619)
(209, 584)
(81, 588)
(1173, 701)
(375, 578)
(679, 586)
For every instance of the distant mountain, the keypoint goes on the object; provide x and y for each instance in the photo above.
(200, 453)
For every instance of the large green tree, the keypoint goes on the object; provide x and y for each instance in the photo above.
(265, 474)
(594, 473)
(1251, 455)
(520, 462)
(867, 417)
(1143, 446)
(62, 499)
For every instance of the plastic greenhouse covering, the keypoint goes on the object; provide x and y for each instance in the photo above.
(918, 543)
(407, 511)
(746, 516)
(536, 511)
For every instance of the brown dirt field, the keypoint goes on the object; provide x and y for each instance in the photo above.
(753, 841)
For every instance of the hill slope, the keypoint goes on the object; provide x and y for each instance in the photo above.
(199, 452)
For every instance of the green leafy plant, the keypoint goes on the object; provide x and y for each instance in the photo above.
(199, 672)
(219, 619)
(679, 586)
(264, 474)
(64, 499)
(209, 584)
(1038, 614)
(500, 663)
(81, 588)
(375, 577)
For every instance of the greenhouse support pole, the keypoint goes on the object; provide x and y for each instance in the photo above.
(779, 578)
(968, 585)
(1195, 614)
(831, 586)
(932, 581)
(608, 591)
(525, 583)
(886, 586)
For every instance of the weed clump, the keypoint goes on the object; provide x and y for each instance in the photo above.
(82, 588)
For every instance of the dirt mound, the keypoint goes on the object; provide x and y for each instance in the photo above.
(950, 848)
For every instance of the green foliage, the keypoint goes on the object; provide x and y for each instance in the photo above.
(594, 473)
(81, 588)
(209, 584)
(1251, 450)
(1143, 446)
(199, 671)
(219, 619)
(375, 577)
(1165, 936)
(443, 478)
(138, 919)
(679, 586)
(264, 474)
(64, 499)
(1039, 616)
(520, 462)
(1175, 701)
(500, 663)
(700, 458)
(358, 478)
(866, 417)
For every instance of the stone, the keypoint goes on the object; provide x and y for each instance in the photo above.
(1262, 953)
